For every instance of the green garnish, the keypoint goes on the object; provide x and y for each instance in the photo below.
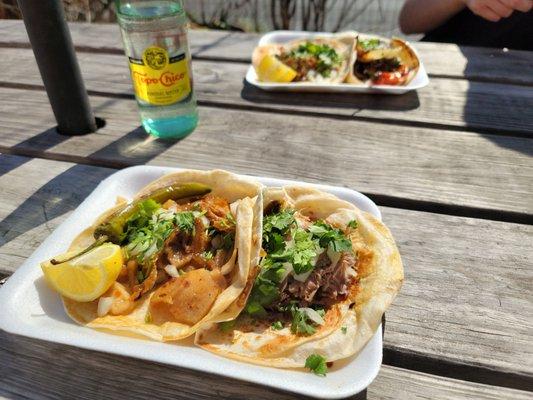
(277, 325)
(329, 236)
(317, 364)
(207, 255)
(352, 224)
(226, 326)
(301, 323)
(326, 56)
(369, 44)
(185, 221)
(344, 329)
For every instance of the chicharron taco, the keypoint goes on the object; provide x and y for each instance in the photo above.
(328, 272)
(187, 245)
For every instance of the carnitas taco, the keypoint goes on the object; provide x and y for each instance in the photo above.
(319, 60)
(172, 259)
(382, 61)
(327, 274)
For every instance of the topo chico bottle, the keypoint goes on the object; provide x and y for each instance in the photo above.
(155, 41)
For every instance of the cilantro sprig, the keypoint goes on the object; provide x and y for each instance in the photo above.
(317, 364)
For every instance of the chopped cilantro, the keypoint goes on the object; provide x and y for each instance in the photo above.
(317, 364)
(369, 44)
(185, 221)
(326, 56)
(300, 323)
(207, 255)
(329, 236)
(352, 224)
(275, 226)
(277, 325)
(226, 326)
(344, 329)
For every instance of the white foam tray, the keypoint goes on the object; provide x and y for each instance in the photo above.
(30, 308)
(419, 81)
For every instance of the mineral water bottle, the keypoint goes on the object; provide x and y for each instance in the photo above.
(155, 41)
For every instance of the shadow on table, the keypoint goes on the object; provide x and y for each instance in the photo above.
(505, 118)
(67, 190)
(356, 102)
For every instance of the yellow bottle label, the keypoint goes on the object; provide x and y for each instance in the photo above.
(158, 79)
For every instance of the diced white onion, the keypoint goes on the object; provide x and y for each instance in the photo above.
(205, 221)
(313, 315)
(151, 250)
(104, 305)
(172, 270)
(303, 277)
(233, 207)
(333, 256)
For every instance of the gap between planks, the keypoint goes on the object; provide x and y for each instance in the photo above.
(380, 199)
(262, 108)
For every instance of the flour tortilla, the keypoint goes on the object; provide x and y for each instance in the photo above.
(380, 275)
(246, 195)
(343, 43)
(407, 56)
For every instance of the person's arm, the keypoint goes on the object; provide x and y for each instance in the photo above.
(420, 16)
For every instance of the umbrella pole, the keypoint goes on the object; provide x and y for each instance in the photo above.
(53, 49)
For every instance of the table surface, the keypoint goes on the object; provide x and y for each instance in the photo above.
(450, 166)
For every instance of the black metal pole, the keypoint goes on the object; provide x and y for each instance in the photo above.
(52, 46)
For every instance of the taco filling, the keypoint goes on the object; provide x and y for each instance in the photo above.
(179, 248)
(312, 61)
(384, 62)
(308, 266)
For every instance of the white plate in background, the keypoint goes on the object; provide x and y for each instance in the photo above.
(30, 308)
(419, 81)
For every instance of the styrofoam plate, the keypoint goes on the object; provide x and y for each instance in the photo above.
(31, 309)
(419, 81)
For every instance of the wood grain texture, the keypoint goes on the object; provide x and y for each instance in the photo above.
(445, 103)
(440, 59)
(466, 298)
(33, 369)
(403, 162)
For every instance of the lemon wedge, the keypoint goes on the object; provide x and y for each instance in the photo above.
(270, 69)
(87, 277)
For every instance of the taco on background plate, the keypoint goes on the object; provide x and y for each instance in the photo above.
(185, 245)
(328, 272)
(318, 59)
(381, 61)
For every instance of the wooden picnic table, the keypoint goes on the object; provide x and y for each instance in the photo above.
(450, 166)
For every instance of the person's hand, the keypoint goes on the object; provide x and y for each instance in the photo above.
(494, 10)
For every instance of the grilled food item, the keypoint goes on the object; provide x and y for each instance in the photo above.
(187, 246)
(383, 61)
(318, 59)
(327, 274)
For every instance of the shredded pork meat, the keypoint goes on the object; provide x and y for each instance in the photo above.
(327, 284)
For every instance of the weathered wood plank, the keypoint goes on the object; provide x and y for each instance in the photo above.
(411, 163)
(446, 103)
(440, 59)
(34, 369)
(466, 298)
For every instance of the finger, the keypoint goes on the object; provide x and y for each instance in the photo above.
(500, 8)
(487, 13)
(520, 5)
